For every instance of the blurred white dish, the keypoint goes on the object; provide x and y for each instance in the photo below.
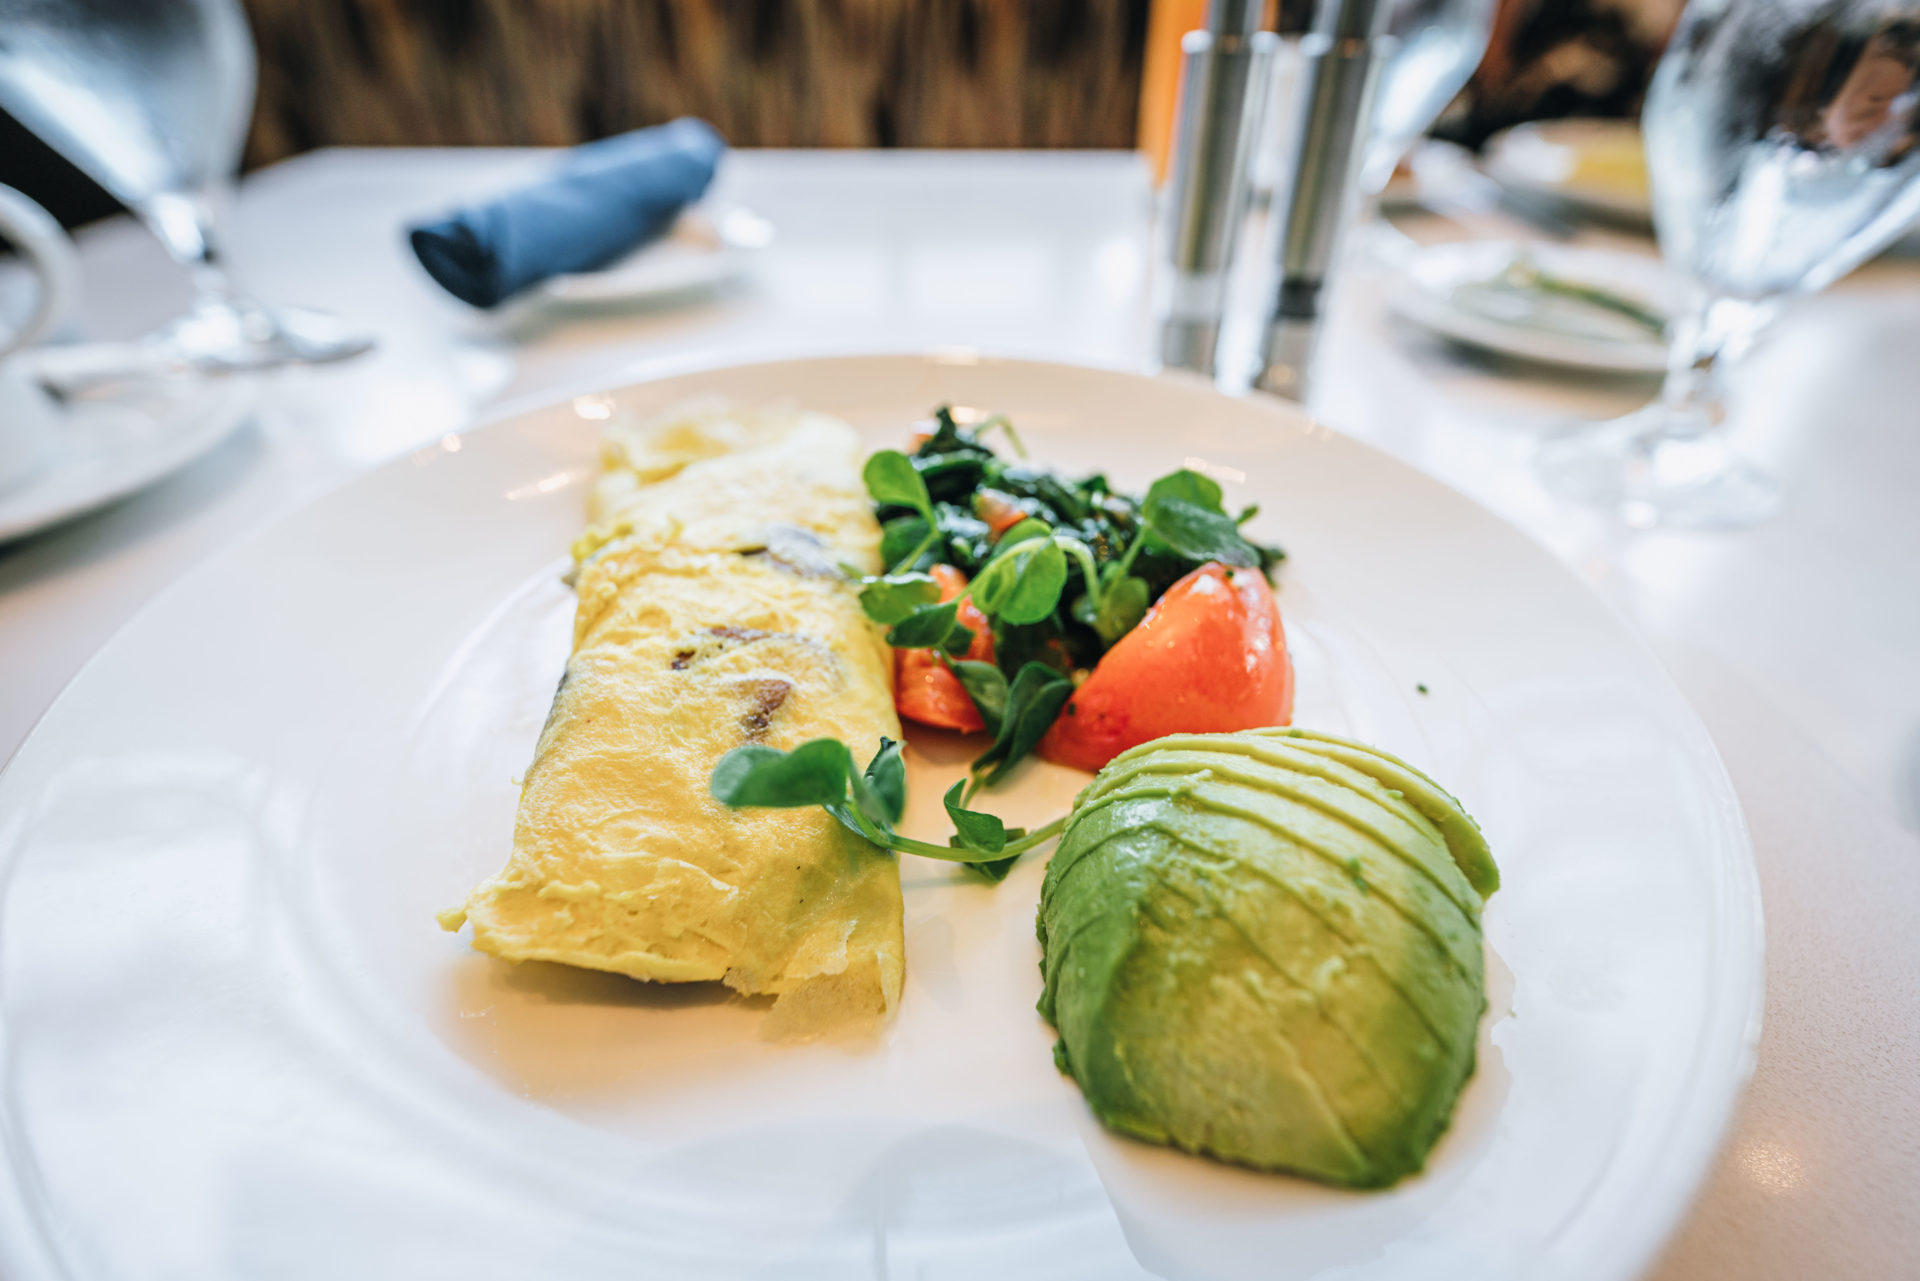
(108, 444)
(705, 248)
(1597, 167)
(58, 458)
(27, 413)
(234, 1043)
(1592, 167)
(29, 421)
(1466, 290)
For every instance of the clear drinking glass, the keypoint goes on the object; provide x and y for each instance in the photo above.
(151, 98)
(1436, 44)
(1431, 50)
(1782, 144)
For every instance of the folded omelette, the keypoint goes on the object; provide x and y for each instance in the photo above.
(713, 611)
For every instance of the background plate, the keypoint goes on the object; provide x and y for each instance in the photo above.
(117, 442)
(1425, 289)
(704, 249)
(236, 1045)
(1593, 166)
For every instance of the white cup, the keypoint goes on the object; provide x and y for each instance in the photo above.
(29, 418)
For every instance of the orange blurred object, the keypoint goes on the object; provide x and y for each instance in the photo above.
(923, 689)
(1209, 657)
(1167, 22)
(1160, 78)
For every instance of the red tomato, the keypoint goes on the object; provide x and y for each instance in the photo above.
(1209, 657)
(998, 510)
(923, 689)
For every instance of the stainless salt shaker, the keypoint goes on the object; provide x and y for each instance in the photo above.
(1340, 60)
(1222, 98)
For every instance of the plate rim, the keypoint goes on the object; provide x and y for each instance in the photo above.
(1718, 1077)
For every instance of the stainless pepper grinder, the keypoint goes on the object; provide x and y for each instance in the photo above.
(1223, 93)
(1340, 60)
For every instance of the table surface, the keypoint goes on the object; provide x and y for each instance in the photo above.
(1798, 642)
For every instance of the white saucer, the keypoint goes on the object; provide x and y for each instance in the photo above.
(705, 248)
(1440, 288)
(111, 444)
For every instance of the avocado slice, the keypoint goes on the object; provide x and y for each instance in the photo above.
(1263, 952)
(1463, 836)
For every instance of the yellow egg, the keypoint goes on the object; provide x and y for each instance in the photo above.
(712, 612)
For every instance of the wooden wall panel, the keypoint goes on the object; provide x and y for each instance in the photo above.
(832, 73)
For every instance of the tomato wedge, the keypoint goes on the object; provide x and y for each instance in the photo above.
(998, 510)
(1209, 657)
(923, 689)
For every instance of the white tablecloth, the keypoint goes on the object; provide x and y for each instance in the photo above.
(1799, 642)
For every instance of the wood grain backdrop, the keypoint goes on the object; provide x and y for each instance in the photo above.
(834, 73)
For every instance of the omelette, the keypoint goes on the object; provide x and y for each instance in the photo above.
(713, 610)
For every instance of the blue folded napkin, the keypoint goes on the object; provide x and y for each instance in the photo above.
(603, 200)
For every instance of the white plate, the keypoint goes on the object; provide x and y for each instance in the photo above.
(705, 248)
(1592, 166)
(110, 445)
(236, 1045)
(1441, 287)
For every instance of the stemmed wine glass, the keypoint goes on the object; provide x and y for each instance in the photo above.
(1435, 46)
(151, 98)
(1432, 49)
(1782, 144)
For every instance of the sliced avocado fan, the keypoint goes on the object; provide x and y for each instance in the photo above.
(1265, 947)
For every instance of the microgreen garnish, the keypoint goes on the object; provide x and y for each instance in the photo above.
(975, 830)
(1034, 698)
(986, 687)
(932, 627)
(1114, 614)
(886, 776)
(1183, 510)
(1187, 485)
(894, 481)
(765, 776)
(1022, 584)
(1077, 569)
(894, 598)
(866, 802)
